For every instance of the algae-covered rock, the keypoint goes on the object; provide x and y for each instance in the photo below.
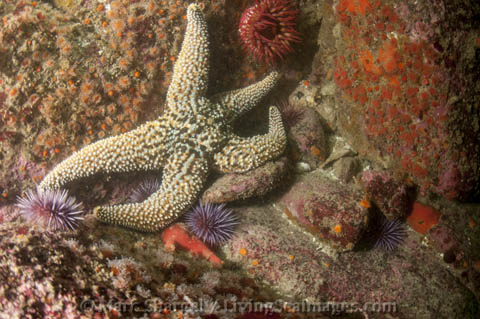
(407, 88)
(328, 209)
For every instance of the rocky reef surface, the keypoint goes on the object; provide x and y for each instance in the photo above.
(380, 101)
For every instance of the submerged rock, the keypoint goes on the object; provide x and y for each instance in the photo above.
(391, 197)
(257, 182)
(307, 139)
(108, 272)
(328, 209)
(408, 101)
(346, 168)
(273, 250)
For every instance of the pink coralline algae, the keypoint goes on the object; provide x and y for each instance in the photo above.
(390, 196)
(277, 260)
(449, 179)
(307, 139)
(327, 209)
(444, 239)
(57, 275)
(254, 183)
(297, 267)
(413, 105)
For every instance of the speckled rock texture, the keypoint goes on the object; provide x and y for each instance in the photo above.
(326, 208)
(108, 272)
(407, 87)
(413, 276)
(445, 241)
(391, 197)
(255, 183)
(346, 168)
(268, 259)
(396, 85)
(307, 138)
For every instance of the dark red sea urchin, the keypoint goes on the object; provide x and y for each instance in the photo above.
(267, 29)
(212, 223)
(51, 209)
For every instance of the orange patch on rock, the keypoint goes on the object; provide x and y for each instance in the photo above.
(354, 6)
(393, 80)
(178, 235)
(338, 228)
(387, 56)
(423, 217)
(476, 266)
(315, 150)
(472, 223)
(367, 60)
(365, 203)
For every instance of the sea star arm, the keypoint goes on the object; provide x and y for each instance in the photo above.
(242, 154)
(190, 73)
(237, 102)
(137, 150)
(182, 182)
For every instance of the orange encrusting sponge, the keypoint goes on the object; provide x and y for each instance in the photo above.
(423, 217)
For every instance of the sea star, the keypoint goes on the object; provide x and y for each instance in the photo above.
(193, 135)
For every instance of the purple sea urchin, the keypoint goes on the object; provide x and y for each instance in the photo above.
(391, 234)
(212, 223)
(144, 190)
(51, 209)
(291, 115)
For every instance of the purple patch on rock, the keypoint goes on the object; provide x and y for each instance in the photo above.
(328, 209)
(390, 196)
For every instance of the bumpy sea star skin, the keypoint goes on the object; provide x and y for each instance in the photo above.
(193, 135)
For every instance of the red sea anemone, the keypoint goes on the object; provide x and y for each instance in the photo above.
(267, 29)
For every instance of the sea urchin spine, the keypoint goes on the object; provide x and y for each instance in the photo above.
(51, 209)
(145, 189)
(213, 224)
(391, 234)
(267, 29)
(291, 115)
